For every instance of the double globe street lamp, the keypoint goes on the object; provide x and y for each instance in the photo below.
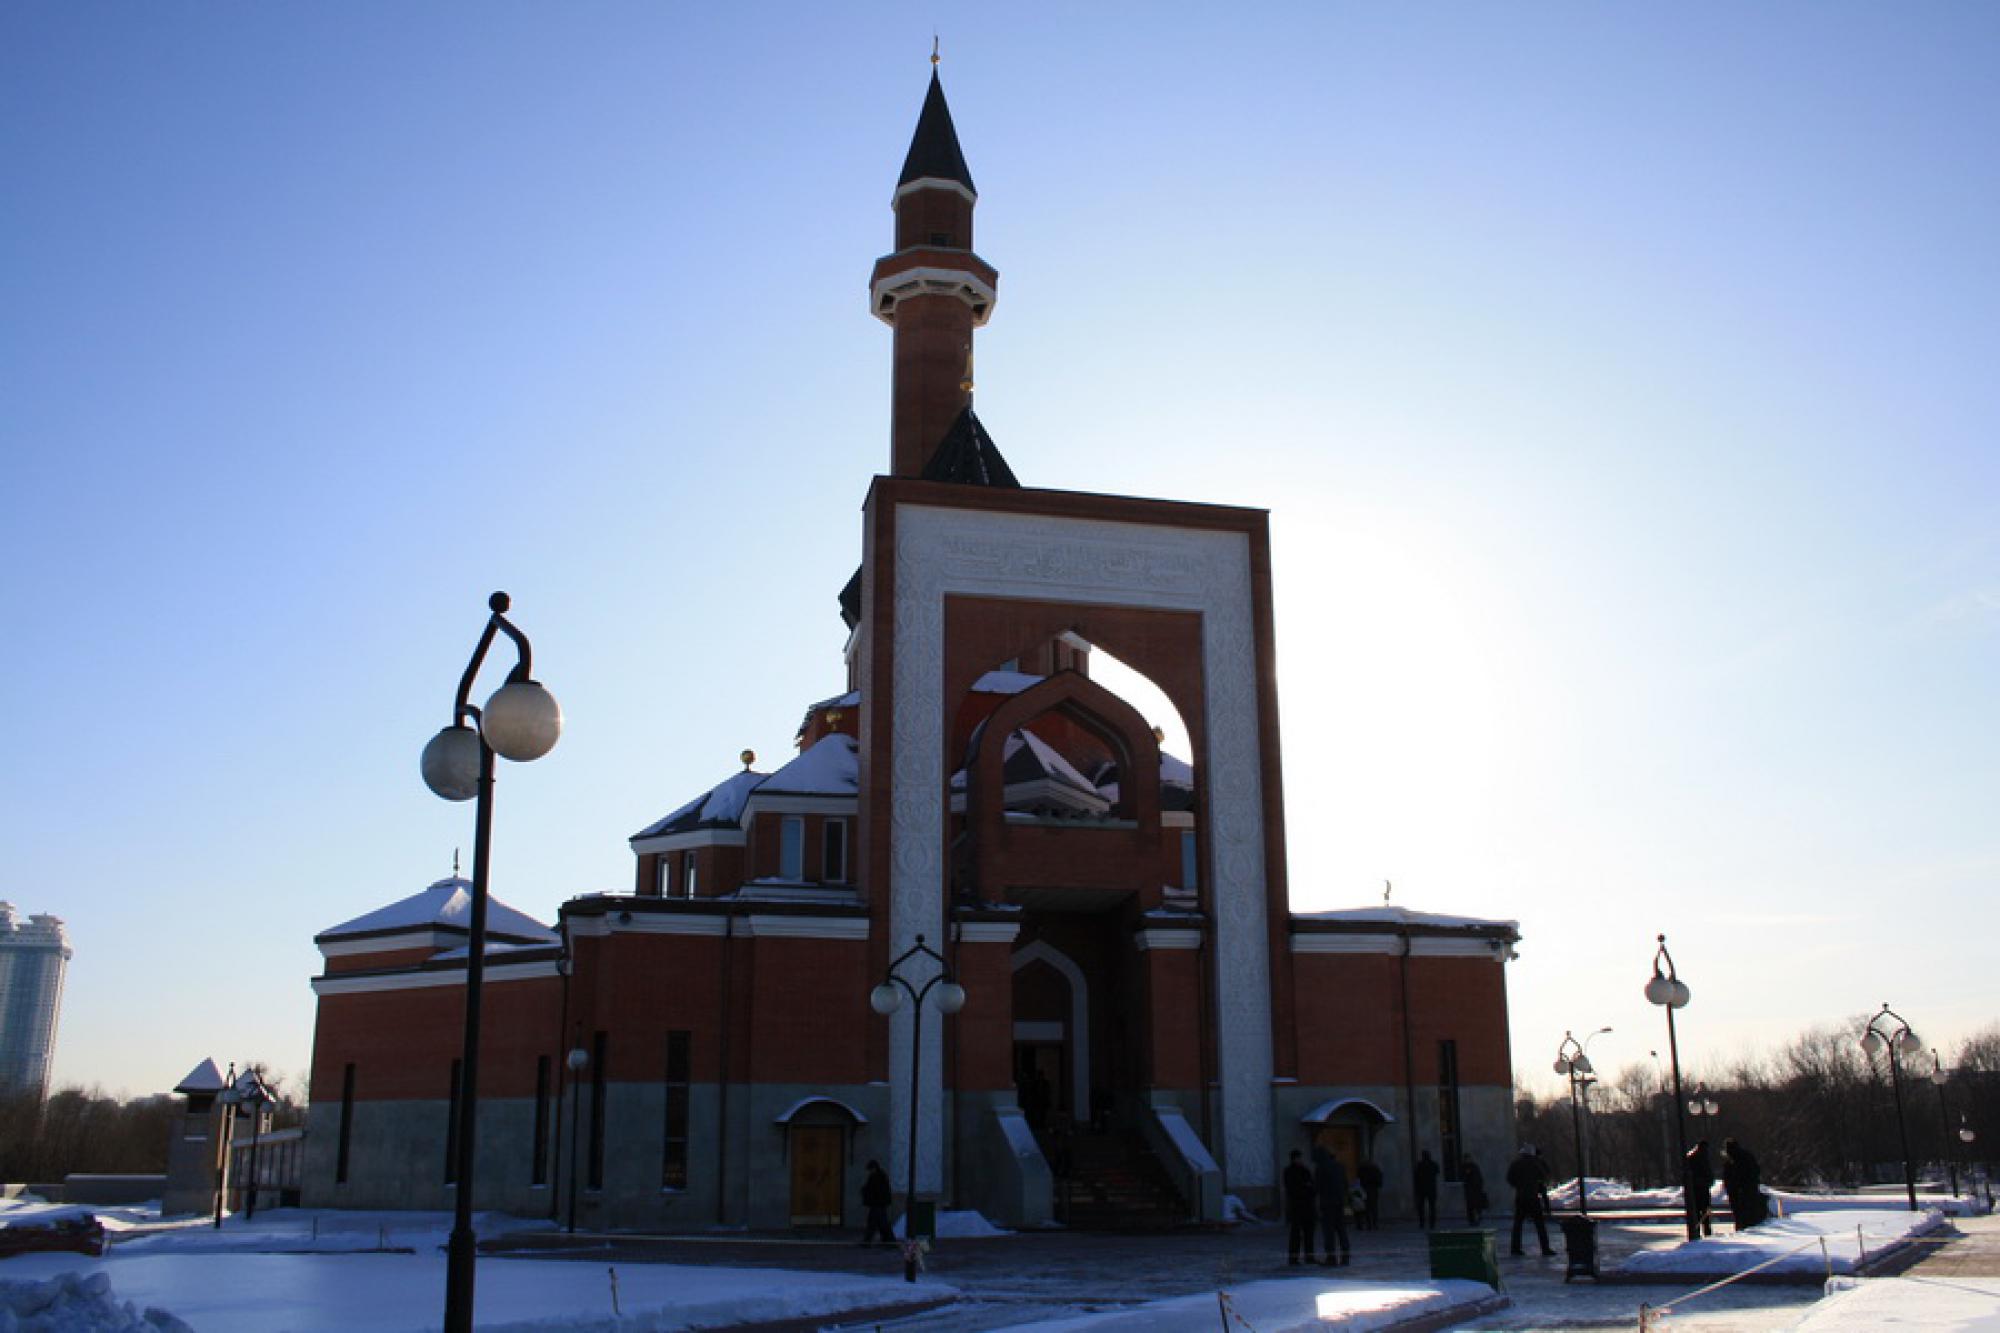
(1941, 1076)
(1669, 992)
(1573, 1060)
(521, 721)
(1900, 1042)
(886, 999)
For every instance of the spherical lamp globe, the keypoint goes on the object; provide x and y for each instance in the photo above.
(451, 763)
(885, 998)
(951, 997)
(521, 721)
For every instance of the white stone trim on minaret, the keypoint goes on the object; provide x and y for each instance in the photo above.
(944, 551)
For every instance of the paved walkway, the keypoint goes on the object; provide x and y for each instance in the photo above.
(1974, 1254)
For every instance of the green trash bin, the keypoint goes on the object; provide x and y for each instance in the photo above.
(1471, 1255)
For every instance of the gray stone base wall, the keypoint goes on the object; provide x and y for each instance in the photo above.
(1487, 1136)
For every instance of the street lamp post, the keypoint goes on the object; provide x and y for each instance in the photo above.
(1900, 1041)
(1940, 1076)
(1669, 992)
(1702, 1103)
(521, 721)
(1574, 1061)
(577, 1060)
(253, 1095)
(227, 1098)
(886, 999)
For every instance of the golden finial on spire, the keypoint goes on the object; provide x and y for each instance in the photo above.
(965, 385)
(935, 57)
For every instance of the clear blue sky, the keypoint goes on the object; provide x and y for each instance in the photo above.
(1621, 382)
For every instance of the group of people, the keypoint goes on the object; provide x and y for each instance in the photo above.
(1742, 1181)
(1318, 1197)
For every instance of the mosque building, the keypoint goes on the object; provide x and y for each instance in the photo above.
(1147, 1026)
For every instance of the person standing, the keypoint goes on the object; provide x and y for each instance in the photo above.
(1427, 1191)
(1528, 1176)
(875, 1196)
(1330, 1182)
(1698, 1179)
(1301, 1207)
(1370, 1177)
(1475, 1191)
(1741, 1180)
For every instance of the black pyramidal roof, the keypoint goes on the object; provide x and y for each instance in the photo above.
(934, 149)
(966, 456)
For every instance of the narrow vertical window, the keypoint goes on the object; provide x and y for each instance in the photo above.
(1190, 863)
(687, 875)
(595, 1179)
(674, 1162)
(346, 1125)
(833, 852)
(791, 848)
(663, 876)
(451, 1125)
(538, 1167)
(1450, 1142)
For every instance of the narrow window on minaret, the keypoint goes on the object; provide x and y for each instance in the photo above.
(833, 863)
(1190, 864)
(687, 876)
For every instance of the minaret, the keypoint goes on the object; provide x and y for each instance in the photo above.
(932, 290)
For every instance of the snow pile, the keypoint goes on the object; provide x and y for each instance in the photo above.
(1864, 1305)
(1235, 1210)
(313, 1231)
(1619, 1195)
(962, 1225)
(74, 1303)
(1792, 1201)
(1803, 1244)
(1288, 1305)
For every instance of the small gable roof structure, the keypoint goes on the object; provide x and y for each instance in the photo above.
(445, 905)
(831, 766)
(721, 806)
(203, 1078)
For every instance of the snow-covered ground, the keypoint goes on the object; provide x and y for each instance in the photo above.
(1283, 1305)
(1615, 1195)
(1955, 1305)
(1822, 1243)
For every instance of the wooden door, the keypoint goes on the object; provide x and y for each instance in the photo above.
(817, 1184)
(1344, 1142)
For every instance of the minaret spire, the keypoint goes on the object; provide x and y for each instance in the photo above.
(933, 290)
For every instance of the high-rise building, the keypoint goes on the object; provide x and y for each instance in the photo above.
(34, 954)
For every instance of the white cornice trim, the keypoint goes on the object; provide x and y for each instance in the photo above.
(405, 939)
(783, 803)
(932, 183)
(702, 837)
(1420, 946)
(1171, 937)
(647, 923)
(426, 980)
(986, 932)
(807, 927)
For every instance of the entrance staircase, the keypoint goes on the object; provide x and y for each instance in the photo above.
(1115, 1183)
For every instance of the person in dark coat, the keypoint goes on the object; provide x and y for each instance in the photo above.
(1330, 1182)
(1742, 1179)
(1528, 1176)
(1369, 1176)
(875, 1197)
(1475, 1191)
(1427, 1191)
(1301, 1207)
(1698, 1179)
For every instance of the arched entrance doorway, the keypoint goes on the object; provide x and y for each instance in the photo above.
(818, 1134)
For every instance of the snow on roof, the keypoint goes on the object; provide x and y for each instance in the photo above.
(803, 1102)
(848, 700)
(830, 767)
(1403, 916)
(1005, 682)
(1320, 1114)
(447, 903)
(1041, 761)
(720, 804)
(204, 1077)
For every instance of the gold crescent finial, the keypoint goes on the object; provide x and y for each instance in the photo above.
(935, 57)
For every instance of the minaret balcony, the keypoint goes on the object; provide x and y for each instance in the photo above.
(932, 271)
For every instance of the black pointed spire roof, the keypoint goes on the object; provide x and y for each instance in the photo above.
(967, 455)
(934, 149)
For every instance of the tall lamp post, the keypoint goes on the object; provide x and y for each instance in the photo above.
(578, 1060)
(521, 721)
(1572, 1060)
(1901, 1042)
(1940, 1076)
(886, 999)
(1669, 992)
(253, 1096)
